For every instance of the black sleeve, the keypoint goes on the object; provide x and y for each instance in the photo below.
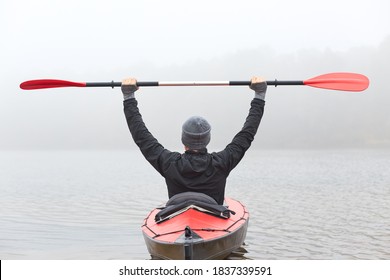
(152, 150)
(235, 151)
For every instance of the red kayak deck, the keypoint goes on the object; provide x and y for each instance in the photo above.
(209, 228)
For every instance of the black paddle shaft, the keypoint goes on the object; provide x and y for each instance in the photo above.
(227, 83)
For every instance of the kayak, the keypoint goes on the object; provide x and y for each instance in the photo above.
(193, 226)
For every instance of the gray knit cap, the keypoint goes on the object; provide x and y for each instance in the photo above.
(196, 133)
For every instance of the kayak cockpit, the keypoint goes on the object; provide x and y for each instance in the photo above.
(182, 202)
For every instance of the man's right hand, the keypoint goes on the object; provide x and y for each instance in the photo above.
(129, 86)
(259, 85)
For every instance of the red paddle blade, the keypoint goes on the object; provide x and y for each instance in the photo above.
(49, 83)
(339, 81)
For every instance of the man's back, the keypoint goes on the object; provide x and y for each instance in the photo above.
(195, 170)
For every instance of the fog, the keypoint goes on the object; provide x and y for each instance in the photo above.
(169, 40)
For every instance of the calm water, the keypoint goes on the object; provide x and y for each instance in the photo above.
(90, 204)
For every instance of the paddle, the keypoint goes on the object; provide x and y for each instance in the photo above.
(336, 81)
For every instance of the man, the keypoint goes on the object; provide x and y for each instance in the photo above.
(195, 170)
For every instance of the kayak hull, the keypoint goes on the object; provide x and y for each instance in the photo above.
(196, 235)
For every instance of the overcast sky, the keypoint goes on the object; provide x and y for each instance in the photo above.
(98, 40)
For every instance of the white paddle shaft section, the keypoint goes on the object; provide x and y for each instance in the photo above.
(190, 84)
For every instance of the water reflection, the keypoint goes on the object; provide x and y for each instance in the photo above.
(238, 254)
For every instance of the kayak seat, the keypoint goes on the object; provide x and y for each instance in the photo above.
(181, 202)
(186, 196)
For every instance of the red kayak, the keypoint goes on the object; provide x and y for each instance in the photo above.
(194, 226)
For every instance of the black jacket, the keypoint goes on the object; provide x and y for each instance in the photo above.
(194, 171)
